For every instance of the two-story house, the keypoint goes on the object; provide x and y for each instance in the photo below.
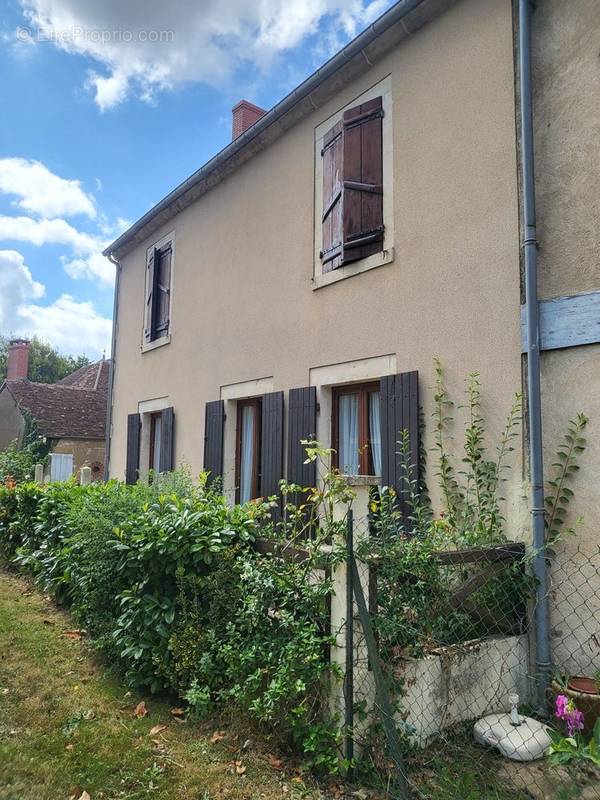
(300, 282)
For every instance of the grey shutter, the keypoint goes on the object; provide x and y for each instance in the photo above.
(302, 424)
(150, 295)
(399, 411)
(133, 448)
(167, 429)
(271, 448)
(214, 421)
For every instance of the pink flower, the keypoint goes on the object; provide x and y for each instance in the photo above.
(566, 710)
(561, 706)
(575, 720)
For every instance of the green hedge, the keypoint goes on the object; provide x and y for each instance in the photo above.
(169, 588)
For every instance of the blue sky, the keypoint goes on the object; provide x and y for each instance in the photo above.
(109, 104)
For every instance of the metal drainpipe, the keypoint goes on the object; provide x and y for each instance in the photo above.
(112, 365)
(529, 245)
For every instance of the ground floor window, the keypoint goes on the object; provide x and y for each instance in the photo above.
(356, 436)
(61, 466)
(155, 439)
(248, 449)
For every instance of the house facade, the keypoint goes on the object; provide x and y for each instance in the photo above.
(302, 281)
(70, 414)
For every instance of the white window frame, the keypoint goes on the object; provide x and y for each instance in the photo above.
(145, 409)
(62, 466)
(381, 89)
(145, 346)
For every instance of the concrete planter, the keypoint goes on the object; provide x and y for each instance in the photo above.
(462, 683)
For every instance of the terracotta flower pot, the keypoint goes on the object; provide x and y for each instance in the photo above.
(583, 691)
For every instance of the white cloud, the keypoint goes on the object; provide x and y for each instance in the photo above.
(89, 261)
(92, 267)
(152, 46)
(16, 288)
(69, 325)
(42, 192)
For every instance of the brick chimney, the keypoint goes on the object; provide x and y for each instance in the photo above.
(18, 359)
(244, 114)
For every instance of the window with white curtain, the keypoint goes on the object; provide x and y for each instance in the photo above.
(356, 434)
(61, 466)
(248, 449)
(155, 441)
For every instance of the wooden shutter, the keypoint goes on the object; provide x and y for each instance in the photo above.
(167, 430)
(150, 294)
(363, 180)
(162, 289)
(331, 254)
(399, 411)
(214, 422)
(133, 448)
(271, 448)
(302, 424)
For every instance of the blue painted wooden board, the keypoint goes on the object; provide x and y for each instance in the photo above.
(567, 321)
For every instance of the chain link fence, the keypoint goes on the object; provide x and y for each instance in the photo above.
(440, 685)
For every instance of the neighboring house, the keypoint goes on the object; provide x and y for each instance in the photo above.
(301, 282)
(70, 413)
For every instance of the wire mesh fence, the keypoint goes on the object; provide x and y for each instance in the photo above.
(440, 684)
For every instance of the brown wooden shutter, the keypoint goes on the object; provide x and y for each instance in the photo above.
(162, 289)
(167, 430)
(302, 424)
(399, 411)
(271, 448)
(214, 422)
(331, 254)
(150, 294)
(363, 180)
(133, 448)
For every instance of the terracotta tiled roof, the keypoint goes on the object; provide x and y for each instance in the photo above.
(72, 408)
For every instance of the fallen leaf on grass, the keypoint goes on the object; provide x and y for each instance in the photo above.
(69, 747)
(240, 768)
(157, 729)
(217, 736)
(140, 710)
(84, 796)
(89, 715)
(73, 634)
(275, 763)
(178, 712)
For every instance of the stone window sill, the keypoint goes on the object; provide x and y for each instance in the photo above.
(156, 343)
(362, 480)
(339, 274)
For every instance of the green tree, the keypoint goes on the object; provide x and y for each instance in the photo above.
(46, 365)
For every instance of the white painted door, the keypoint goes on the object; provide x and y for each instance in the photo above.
(61, 466)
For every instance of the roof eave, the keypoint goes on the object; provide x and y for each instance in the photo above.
(400, 21)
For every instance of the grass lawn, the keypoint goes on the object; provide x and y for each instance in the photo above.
(67, 728)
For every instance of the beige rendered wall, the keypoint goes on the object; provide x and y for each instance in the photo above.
(567, 132)
(85, 452)
(243, 304)
(12, 424)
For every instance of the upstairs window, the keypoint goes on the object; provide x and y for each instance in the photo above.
(158, 292)
(352, 212)
(249, 414)
(356, 434)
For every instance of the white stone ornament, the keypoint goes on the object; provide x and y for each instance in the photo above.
(526, 741)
